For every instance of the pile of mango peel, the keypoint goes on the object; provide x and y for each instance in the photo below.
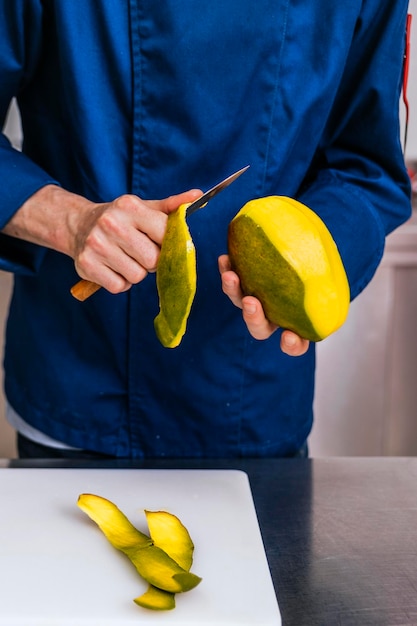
(163, 559)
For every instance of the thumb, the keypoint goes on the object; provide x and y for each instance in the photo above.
(173, 202)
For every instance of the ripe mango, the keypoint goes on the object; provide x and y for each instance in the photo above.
(176, 279)
(286, 257)
(165, 574)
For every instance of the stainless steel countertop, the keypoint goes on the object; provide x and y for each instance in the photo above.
(340, 534)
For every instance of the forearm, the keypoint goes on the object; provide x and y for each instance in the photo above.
(114, 244)
(49, 218)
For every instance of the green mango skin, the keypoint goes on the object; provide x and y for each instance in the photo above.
(279, 288)
(156, 599)
(163, 527)
(176, 280)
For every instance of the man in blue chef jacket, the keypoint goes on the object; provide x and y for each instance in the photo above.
(126, 102)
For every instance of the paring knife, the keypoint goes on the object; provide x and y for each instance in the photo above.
(208, 195)
(85, 288)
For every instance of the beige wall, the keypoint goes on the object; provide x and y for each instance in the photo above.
(7, 439)
(7, 436)
(366, 392)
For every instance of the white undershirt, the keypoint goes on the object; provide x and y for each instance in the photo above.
(25, 429)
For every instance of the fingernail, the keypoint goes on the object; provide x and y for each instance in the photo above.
(250, 309)
(290, 341)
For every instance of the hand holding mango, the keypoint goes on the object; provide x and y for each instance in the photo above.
(285, 256)
(254, 316)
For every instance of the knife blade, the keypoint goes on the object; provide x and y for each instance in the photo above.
(85, 288)
(208, 195)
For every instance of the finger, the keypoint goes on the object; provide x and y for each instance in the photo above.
(231, 287)
(170, 204)
(224, 263)
(104, 277)
(258, 325)
(110, 264)
(292, 344)
(130, 216)
(151, 217)
(111, 279)
(128, 230)
(140, 251)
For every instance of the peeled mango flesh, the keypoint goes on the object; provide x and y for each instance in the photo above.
(176, 279)
(286, 257)
(163, 559)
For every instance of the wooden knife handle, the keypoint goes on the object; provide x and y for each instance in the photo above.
(84, 289)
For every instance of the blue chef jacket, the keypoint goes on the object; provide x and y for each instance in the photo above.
(154, 98)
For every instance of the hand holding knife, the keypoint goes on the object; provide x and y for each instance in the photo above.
(83, 289)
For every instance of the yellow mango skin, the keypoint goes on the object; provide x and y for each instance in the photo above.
(286, 257)
(169, 533)
(113, 523)
(152, 563)
(176, 279)
(156, 599)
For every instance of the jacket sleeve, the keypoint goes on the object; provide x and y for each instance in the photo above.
(358, 183)
(20, 47)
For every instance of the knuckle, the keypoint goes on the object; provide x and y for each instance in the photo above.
(84, 261)
(136, 275)
(126, 202)
(108, 222)
(118, 284)
(93, 244)
(149, 257)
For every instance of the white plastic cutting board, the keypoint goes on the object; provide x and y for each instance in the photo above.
(58, 569)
